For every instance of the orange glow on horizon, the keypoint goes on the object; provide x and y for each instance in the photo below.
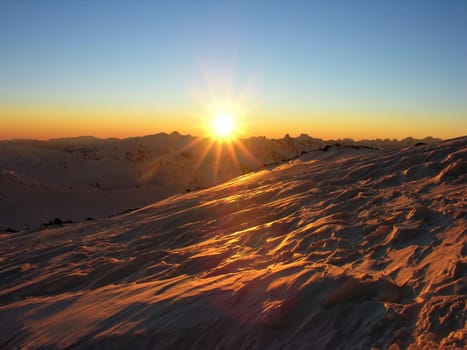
(45, 123)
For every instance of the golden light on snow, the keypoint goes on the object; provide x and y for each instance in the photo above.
(223, 126)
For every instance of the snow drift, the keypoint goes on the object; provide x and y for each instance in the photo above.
(343, 249)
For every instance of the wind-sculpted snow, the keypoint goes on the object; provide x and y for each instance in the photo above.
(343, 249)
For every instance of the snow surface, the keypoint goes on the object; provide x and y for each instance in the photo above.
(344, 249)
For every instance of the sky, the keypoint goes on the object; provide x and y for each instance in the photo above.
(331, 69)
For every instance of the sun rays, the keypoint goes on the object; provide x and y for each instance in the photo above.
(221, 118)
(212, 152)
(208, 160)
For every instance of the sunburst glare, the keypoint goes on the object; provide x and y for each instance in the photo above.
(223, 126)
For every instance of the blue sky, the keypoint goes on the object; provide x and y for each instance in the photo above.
(293, 61)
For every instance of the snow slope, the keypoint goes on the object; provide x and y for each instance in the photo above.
(343, 249)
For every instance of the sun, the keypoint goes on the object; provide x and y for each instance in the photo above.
(223, 126)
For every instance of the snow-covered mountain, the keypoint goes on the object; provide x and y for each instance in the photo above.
(88, 177)
(77, 178)
(339, 249)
